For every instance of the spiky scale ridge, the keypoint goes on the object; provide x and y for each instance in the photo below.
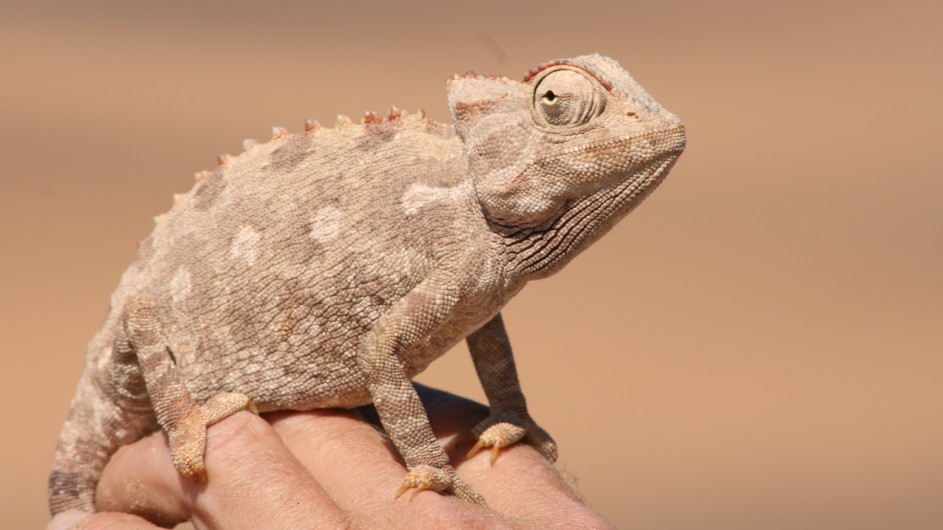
(606, 83)
(370, 117)
(481, 77)
(311, 126)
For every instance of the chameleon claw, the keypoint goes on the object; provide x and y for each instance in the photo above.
(495, 451)
(406, 487)
(474, 450)
(402, 489)
(425, 477)
(417, 491)
(496, 437)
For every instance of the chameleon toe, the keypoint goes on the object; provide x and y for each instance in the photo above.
(496, 437)
(423, 477)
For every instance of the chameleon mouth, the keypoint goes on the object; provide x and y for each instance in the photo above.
(648, 157)
(635, 187)
(629, 157)
(677, 138)
(585, 220)
(665, 142)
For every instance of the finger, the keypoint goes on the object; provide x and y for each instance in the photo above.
(522, 483)
(250, 471)
(357, 465)
(349, 457)
(79, 520)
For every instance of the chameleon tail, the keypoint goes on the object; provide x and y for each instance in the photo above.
(95, 427)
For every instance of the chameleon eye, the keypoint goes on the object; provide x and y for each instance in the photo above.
(566, 98)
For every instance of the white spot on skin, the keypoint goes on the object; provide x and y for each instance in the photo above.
(419, 196)
(326, 224)
(180, 285)
(245, 245)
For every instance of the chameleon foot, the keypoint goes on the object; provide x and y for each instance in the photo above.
(425, 477)
(498, 434)
(188, 434)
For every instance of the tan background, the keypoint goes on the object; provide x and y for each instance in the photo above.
(759, 346)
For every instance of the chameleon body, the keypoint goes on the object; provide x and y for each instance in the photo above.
(327, 267)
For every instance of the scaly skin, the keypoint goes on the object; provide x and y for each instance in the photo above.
(328, 267)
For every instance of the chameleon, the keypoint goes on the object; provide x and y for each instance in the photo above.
(328, 267)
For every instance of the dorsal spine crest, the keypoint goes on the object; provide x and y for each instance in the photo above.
(369, 120)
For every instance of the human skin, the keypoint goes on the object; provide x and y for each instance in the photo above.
(329, 469)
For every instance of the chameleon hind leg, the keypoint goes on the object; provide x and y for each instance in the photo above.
(184, 420)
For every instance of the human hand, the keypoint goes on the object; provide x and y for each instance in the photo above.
(328, 469)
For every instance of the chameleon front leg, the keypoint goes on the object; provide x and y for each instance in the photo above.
(401, 412)
(183, 420)
(509, 421)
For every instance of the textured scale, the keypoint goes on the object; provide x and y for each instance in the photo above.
(327, 267)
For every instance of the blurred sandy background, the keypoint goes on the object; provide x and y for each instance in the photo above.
(759, 346)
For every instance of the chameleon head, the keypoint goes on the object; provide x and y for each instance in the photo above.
(575, 131)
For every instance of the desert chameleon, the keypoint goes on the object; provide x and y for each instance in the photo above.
(326, 268)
